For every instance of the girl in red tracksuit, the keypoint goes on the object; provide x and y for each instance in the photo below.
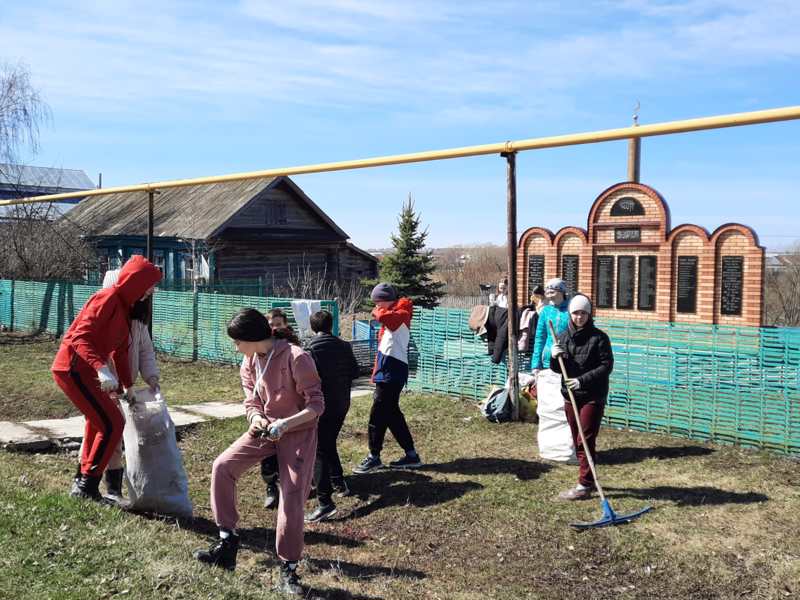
(99, 334)
(390, 376)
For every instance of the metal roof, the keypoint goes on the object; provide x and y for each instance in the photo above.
(43, 179)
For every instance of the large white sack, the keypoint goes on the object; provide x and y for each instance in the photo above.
(154, 468)
(554, 436)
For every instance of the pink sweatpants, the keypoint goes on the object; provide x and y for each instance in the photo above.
(296, 452)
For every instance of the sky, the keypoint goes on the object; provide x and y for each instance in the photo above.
(145, 91)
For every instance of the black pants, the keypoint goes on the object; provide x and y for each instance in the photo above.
(328, 467)
(385, 414)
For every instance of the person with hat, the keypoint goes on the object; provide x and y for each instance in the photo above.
(588, 360)
(554, 437)
(390, 375)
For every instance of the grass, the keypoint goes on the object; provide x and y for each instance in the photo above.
(479, 521)
(28, 392)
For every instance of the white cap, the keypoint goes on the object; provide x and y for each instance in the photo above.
(580, 302)
(111, 277)
(556, 284)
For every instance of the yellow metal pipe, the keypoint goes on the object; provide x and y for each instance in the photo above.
(733, 120)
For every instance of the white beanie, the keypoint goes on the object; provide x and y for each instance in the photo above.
(556, 284)
(111, 277)
(580, 302)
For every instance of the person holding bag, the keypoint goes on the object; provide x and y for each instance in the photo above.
(284, 401)
(98, 339)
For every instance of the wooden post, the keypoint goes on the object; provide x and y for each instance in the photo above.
(513, 312)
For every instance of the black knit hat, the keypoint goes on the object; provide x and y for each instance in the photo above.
(383, 292)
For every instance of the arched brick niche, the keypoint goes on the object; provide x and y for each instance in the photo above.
(635, 266)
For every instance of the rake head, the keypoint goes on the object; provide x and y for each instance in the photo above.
(611, 518)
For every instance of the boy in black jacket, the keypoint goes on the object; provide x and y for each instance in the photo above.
(588, 359)
(337, 367)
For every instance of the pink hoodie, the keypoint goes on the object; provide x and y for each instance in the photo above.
(290, 384)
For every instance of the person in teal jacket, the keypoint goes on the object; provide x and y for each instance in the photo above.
(555, 311)
(554, 436)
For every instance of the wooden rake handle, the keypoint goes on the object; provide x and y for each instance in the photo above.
(577, 416)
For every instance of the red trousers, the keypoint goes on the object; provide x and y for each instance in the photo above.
(104, 421)
(591, 414)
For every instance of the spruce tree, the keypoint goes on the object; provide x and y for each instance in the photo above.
(410, 266)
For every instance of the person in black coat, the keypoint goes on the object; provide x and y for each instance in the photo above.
(588, 359)
(337, 367)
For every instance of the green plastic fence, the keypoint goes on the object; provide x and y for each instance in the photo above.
(185, 324)
(738, 385)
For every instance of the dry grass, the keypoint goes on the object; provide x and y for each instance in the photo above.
(479, 521)
(28, 392)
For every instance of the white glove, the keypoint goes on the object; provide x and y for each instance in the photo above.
(556, 349)
(573, 384)
(535, 374)
(108, 382)
(276, 429)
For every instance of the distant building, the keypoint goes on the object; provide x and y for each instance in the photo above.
(21, 181)
(262, 229)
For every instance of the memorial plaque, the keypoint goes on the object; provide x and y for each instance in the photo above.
(627, 206)
(604, 276)
(569, 272)
(535, 271)
(627, 235)
(731, 287)
(626, 271)
(687, 284)
(647, 283)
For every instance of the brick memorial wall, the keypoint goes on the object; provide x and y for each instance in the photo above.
(634, 265)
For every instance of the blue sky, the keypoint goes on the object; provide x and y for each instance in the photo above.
(146, 91)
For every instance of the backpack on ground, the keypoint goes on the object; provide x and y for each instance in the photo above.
(497, 407)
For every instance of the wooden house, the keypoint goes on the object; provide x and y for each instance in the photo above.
(261, 229)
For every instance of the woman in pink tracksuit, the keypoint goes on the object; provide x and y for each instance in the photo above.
(284, 400)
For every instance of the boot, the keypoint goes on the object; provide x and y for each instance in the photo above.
(222, 553)
(87, 488)
(113, 479)
(73, 490)
(271, 499)
(289, 582)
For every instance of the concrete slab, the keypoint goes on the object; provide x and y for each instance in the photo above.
(218, 410)
(16, 436)
(59, 429)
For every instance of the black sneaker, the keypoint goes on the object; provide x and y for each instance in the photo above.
(289, 582)
(370, 463)
(341, 489)
(222, 553)
(271, 498)
(321, 513)
(407, 463)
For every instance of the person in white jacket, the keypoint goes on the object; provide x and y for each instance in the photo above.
(142, 358)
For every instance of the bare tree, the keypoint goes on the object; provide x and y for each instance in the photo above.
(38, 243)
(782, 295)
(463, 268)
(22, 111)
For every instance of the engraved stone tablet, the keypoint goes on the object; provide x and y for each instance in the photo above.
(687, 284)
(647, 283)
(569, 272)
(731, 287)
(626, 268)
(604, 269)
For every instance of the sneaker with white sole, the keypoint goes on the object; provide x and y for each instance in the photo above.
(576, 493)
(370, 463)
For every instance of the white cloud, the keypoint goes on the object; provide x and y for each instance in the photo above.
(464, 60)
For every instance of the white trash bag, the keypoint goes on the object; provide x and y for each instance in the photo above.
(154, 470)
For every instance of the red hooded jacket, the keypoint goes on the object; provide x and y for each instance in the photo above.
(101, 329)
